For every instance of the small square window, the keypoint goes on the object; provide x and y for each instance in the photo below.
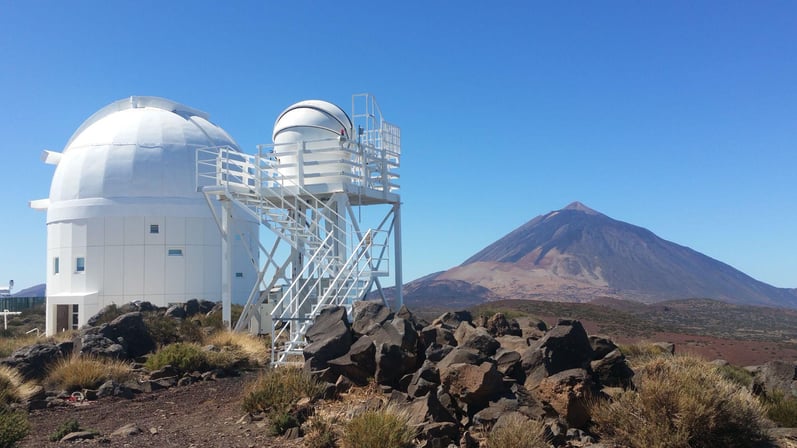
(80, 264)
(154, 228)
(56, 265)
(239, 275)
(175, 252)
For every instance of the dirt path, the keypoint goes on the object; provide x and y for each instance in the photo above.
(199, 415)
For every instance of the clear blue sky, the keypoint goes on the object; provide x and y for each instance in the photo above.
(678, 116)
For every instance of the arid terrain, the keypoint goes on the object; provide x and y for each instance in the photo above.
(206, 414)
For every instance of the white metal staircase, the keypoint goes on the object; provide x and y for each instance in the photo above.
(330, 275)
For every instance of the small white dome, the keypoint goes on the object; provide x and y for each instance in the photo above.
(138, 147)
(314, 114)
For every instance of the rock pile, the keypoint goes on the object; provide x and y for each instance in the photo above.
(125, 337)
(456, 377)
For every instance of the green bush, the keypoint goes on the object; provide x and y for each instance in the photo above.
(65, 428)
(280, 422)
(381, 428)
(184, 357)
(736, 375)
(163, 329)
(14, 427)
(518, 431)
(278, 389)
(781, 409)
(681, 402)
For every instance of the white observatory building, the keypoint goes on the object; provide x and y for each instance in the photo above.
(126, 222)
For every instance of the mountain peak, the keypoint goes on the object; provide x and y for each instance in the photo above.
(578, 206)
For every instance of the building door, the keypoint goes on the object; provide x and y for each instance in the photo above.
(62, 317)
(66, 317)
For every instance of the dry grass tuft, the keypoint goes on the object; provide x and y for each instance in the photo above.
(278, 389)
(9, 345)
(13, 388)
(243, 345)
(518, 431)
(641, 352)
(681, 402)
(86, 372)
(380, 428)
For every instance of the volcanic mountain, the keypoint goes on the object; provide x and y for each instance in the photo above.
(577, 254)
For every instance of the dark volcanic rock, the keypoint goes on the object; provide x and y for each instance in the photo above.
(329, 337)
(33, 361)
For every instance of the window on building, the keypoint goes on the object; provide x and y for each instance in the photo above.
(75, 317)
(239, 275)
(175, 252)
(154, 228)
(56, 265)
(80, 264)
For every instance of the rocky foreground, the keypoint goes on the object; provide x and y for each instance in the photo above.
(459, 376)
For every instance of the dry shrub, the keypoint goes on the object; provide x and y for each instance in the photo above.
(278, 389)
(681, 402)
(518, 431)
(641, 352)
(86, 372)
(9, 345)
(379, 428)
(320, 432)
(243, 345)
(13, 389)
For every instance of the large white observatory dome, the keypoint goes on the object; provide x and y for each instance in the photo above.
(125, 220)
(135, 147)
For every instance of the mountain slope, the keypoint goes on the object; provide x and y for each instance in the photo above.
(578, 254)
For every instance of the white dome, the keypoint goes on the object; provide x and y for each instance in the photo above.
(139, 147)
(314, 114)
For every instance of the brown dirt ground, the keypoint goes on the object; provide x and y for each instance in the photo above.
(204, 414)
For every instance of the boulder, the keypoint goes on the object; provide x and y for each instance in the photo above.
(569, 393)
(776, 376)
(33, 361)
(601, 346)
(566, 346)
(89, 342)
(459, 355)
(427, 408)
(367, 314)
(191, 307)
(363, 352)
(509, 364)
(175, 312)
(389, 364)
(499, 325)
(329, 337)
(452, 320)
(612, 370)
(345, 366)
(514, 343)
(437, 352)
(128, 430)
(477, 338)
(424, 380)
(432, 334)
(130, 331)
(475, 385)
